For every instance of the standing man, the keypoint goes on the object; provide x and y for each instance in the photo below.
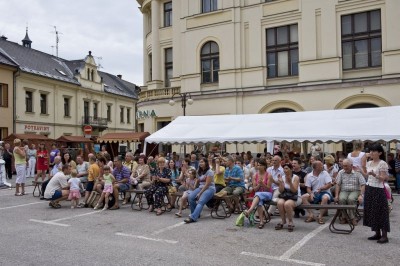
(121, 174)
(275, 171)
(7, 157)
(350, 187)
(58, 189)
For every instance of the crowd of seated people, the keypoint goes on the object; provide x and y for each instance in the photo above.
(289, 180)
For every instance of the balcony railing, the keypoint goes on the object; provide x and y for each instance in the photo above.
(158, 94)
(99, 122)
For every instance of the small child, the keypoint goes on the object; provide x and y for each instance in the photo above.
(109, 179)
(75, 186)
(190, 185)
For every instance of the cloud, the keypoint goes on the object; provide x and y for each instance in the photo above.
(112, 30)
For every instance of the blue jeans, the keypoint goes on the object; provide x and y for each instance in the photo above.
(196, 208)
(398, 181)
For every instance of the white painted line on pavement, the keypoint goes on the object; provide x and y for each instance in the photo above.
(167, 228)
(48, 222)
(22, 205)
(74, 216)
(302, 242)
(281, 259)
(148, 238)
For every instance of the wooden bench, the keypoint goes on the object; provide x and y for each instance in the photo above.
(220, 209)
(141, 204)
(337, 207)
(38, 186)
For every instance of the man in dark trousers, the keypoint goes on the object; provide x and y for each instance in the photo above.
(7, 157)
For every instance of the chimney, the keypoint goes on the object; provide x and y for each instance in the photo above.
(3, 37)
(120, 76)
(90, 53)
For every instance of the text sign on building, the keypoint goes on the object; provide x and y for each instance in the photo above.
(36, 128)
(145, 114)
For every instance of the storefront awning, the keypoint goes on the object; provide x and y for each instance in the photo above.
(28, 137)
(123, 137)
(79, 139)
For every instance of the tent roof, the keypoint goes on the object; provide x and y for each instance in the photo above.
(26, 136)
(372, 124)
(123, 137)
(73, 139)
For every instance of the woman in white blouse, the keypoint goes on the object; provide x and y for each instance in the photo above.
(376, 209)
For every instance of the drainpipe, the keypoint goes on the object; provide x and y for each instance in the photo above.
(16, 74)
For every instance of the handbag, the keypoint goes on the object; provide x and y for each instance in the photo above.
(287, 194)
(387, 193)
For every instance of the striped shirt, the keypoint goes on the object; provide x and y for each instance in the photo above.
(122, 173)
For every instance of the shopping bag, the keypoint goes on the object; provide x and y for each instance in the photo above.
(240, 220)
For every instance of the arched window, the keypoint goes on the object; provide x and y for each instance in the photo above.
(92, 75)
(209, 62)
(362, 105)
(88, 74)
(283, 110)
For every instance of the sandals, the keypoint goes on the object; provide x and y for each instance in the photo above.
(321, 221)
(261, 225)
(279, 226)
(310, 219)
(178, 214)
(290, 227)
(159, 212)
(126, 201)
(18, 194)
(54, 205)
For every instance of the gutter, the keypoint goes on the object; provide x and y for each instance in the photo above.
(16, 74)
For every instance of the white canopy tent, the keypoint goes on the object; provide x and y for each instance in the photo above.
(325, 126)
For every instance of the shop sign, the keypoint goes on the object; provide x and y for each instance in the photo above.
(145, 114)
(36, 128)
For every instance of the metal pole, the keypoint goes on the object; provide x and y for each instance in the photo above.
(183, 98)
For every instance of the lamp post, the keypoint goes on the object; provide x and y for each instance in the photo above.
(186, 98)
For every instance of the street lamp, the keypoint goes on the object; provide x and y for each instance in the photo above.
(185, 98)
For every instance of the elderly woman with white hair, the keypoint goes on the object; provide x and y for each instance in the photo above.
(20, 167)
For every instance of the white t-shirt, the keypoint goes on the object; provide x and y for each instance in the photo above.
(356, 160)
(74, 183)
(316, 182)
(57, 182)
(275, 173)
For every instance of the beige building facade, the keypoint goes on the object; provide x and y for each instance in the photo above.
(254, 56)
(7, 70)
(57, 97)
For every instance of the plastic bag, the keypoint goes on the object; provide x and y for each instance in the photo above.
(240, 220)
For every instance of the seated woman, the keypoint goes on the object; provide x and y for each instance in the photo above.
(290, 197)
(203, 193)
(156, 193)
(142, 174)
(262, 188)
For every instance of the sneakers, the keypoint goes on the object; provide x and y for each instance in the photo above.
(105, 207)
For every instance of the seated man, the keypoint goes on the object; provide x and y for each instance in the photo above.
(350, 187)
(57, 167)
(121, 174)
(58, 189)
(318, 184)
(234, 179)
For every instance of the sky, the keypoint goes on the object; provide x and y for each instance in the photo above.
(111, 29)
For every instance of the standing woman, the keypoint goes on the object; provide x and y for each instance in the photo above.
(31, 155)
(376, 209)
(42, 162)
(203, 193)
(20, 167)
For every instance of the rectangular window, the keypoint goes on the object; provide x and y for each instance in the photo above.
(121, 114)
(128, 115)
(150, 67)
(66, 107)
(86, 112)
(282, 51)
(108, 113)
(3, 132)
(95, 110)
(43, 103)
(3, 95)
(29, 101)
(168, 67)
(361, 40)
(209, 5)
(168, 14)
